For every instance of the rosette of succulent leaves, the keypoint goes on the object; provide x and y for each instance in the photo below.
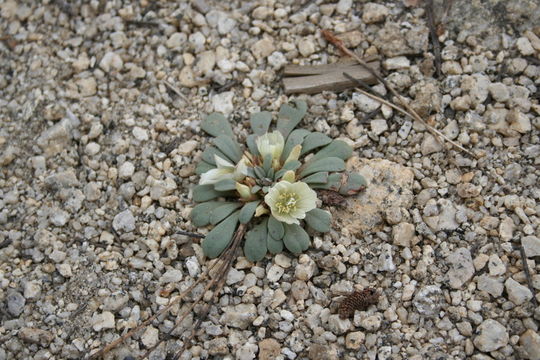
(269, 184)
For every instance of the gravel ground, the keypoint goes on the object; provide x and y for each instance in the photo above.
(100, 106)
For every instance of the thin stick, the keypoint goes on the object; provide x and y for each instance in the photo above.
(175, 90)
(190, 234)
(411, 112)
(433, 36)
(176, 300)
(527, 274)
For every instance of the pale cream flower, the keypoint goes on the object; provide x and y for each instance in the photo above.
(290, 202)
(225, 170)
(243, 190)
(271, 144)
(294, 154)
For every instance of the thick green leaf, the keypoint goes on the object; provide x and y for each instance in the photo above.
(247, 211)
(229, 147)
(208, 155)
(260, 122)
(354, 184)
(252, 144)
(203, 167)
(225, 185)
(202, 193)
(317, 178)
(336, 148)
(255, 189)
(313, 141)
(220, 237)
(255, 243)
(295, 138)
(259, 172)
(267, 163)
(333, 183)
(321, 165)
(275, 228)
(291, 165)
(295, 239)
(222, 211)
(319, 220)
(289, 116)
(216, 124)
(273, 245)
(200, 215)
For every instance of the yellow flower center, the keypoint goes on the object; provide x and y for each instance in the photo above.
(286, 202)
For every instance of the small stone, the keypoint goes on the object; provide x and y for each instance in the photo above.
(506, 229)
(386, 263)
(59, 217)
(87, 86)
(126, 170)
(343, 6)
(187, 77)
(277, 60)
(111, 61)
(176, 40)
(274, 273)
(374, 12)
(530, 341)
(206, 62)
(397, 63)
(32, 289)
(306, 47)
(496, 266)
(36, 336)
(461, 103)
(428, 300)
(102, 321)
(384, 353)
(338, 325)
(365, 103)
(140, 133)
(492, 336)
(378, 126)
(223, 102)
(124, 221)
(299, 290)
(519, 121)
(150, 337)
(263, 48)
(240, 316)
(499, 92)
(517, 293)
(493, 286)
(371, 323)
(524, 46)
(269, 349)
(462, 268)
(430, 145)
(305, 269)
(218, 346)
(247, 351)
(64, 270)
(403, 234)
(468, 190)
(531, 245)
(15, 303)
(354, 340)
(235, 276)
(171, 276)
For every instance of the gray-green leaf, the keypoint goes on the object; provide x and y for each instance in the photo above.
(209, 153)
(252, 144)
(333, 183)
(336, 148)
(354, 184)
(216, 124)
(313, 141)
(202, 193)
(295, 239)
(229, 147)
(225, 185)
(289, 116)
(255, 243)
(203, 167)
(200, 215)
(260, 122)
(220, 237)
(317, 178)
(247, 211)
(295, 138)
(275, 228)
(321, 165)
(274, 246)
(222, 211)
(319, 220)
(291, 165)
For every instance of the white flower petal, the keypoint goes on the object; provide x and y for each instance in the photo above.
(215, 175)
(222, 163)
(306, 200)
(271, 144)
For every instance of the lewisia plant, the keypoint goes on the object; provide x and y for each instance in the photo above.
(269, 186)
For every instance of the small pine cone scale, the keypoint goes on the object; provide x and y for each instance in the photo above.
(358, 300)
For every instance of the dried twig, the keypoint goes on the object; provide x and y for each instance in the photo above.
(433, 36)
(190, 234)
(175, 90)
(409, 110)
(527, 274)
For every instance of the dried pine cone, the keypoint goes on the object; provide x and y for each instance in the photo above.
(358, 300)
